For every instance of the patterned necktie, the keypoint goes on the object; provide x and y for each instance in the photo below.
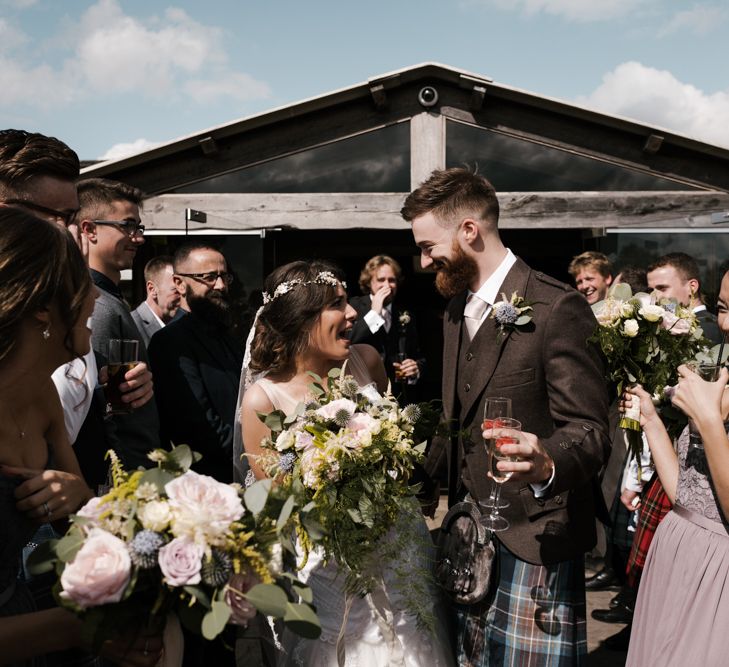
(387, 316)
(472, 314)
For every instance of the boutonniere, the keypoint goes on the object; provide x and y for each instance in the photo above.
(404, 319)
(511, 313)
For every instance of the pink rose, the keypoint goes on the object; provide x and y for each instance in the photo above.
(92, 510)
(202, 508)
(100, 571)
(180, 562)
(361, 422)
(329, 411)
(675, 325)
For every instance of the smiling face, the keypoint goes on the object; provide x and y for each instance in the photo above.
(329, 336)
(668, 283)
(441, 251)
(111, 249)
(592, 284)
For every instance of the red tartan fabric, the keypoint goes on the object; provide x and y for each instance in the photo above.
(653, 508)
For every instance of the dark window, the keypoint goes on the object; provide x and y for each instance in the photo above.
(377, 161)
(517, 165)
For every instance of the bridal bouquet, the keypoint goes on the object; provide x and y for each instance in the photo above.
(644, 342)
(170, 540)
(348, 456)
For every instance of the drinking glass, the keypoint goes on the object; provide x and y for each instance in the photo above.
(710, 373)
(123, 356)
(494, 409)
(399, 375)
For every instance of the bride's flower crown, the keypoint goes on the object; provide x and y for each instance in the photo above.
(322, 278)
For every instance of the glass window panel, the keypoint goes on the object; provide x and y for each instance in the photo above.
(377, 161)
(516, 165)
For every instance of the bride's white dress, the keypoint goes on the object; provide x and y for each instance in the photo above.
(379, 630)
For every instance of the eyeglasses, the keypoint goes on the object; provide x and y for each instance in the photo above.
(66, 217)
(209, 278)
(130, 227)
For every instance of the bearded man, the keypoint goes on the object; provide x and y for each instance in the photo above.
(534, 613)
(197, 363)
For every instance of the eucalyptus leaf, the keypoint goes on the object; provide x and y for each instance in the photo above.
(314, 529)
(275, 420)
(354, 515)
(522, 320)
(158, 477)
(69, 545)
(215, 620)
(302, 620)
(199, 594)
(256, 495)
(180, 457)
(269, 599)
(285, 514)
(303, 591)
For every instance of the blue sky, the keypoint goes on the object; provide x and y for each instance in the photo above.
(115, 76)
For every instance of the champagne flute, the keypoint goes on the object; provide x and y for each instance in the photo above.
(495, 408)
(508, 435)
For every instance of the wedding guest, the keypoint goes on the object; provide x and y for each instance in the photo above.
(592, 273)
(197, 362)
(383, 324)
(110, 221)
(557, 389)
(676, 276)
(683, 600)
(162, 301)
(46, 298)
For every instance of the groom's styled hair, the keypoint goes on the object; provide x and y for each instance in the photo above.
(452, 194)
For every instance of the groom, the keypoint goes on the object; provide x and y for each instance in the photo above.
(555, 382)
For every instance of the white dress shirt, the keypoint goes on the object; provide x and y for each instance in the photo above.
(75, 383)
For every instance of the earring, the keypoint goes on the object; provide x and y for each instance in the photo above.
(47, 332)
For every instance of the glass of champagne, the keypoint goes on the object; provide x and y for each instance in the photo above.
(508, 435)
(123, 356)
(495, 408)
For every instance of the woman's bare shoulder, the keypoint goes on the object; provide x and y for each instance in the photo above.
(256, 399)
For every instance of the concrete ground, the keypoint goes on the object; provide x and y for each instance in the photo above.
(599, 656)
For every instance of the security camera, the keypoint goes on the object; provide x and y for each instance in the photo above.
(428, 97)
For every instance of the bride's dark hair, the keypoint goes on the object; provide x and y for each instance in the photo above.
(283, 325)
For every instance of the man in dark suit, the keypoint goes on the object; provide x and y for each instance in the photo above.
(534, 613)
(196, 363)
(384, 325)
(163, 299)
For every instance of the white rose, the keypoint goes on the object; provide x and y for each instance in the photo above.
(627, 309)
(155, 515)
(651, 313)
(285, 440)
(630, 328)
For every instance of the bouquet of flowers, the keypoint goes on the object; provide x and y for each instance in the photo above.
(348, 456)
(170, 540)
(644, 342)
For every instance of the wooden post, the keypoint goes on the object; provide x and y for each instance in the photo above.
(427, 146)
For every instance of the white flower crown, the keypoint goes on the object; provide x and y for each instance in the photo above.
(322, 278)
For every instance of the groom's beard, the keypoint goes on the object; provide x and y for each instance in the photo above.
(456, 274)
(214, 307)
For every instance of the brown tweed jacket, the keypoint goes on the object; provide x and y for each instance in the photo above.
(558, 392)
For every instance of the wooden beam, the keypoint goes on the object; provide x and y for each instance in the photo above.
(519, 210)
(427, 146)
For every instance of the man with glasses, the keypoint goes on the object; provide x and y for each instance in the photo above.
(197, 362)
(109, 220)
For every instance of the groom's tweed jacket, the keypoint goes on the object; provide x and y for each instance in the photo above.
(558, 391)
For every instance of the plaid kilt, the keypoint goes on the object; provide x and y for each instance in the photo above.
(653, 508)
(518, 624)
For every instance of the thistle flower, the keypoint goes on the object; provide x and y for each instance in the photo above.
(506, 313)
(412, 413)
(349, 387)
(286, 462)
(216, 569)
(144, 547)
(342, 417)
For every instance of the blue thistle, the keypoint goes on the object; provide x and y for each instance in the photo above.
(506, 313)
(216, 570)
(286, 462)
(144, 547)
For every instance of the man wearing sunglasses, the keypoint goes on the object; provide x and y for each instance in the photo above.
(109, 219)
(197, 362)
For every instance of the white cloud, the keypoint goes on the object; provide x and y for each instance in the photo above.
(657, 97)
(582, 11)
(118, 151)
(112, 53)
(699, 20)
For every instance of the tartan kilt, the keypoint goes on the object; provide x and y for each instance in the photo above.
(508, 627)
(653, 508)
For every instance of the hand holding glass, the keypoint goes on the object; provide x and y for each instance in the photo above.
(123, 356)
(494, 409)
(710, 373)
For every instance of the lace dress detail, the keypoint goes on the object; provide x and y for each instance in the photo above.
(372, 638)
(695, 490)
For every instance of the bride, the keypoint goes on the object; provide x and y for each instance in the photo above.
(304, 326)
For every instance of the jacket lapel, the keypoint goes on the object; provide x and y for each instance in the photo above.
(488, 344)
(451, 347)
